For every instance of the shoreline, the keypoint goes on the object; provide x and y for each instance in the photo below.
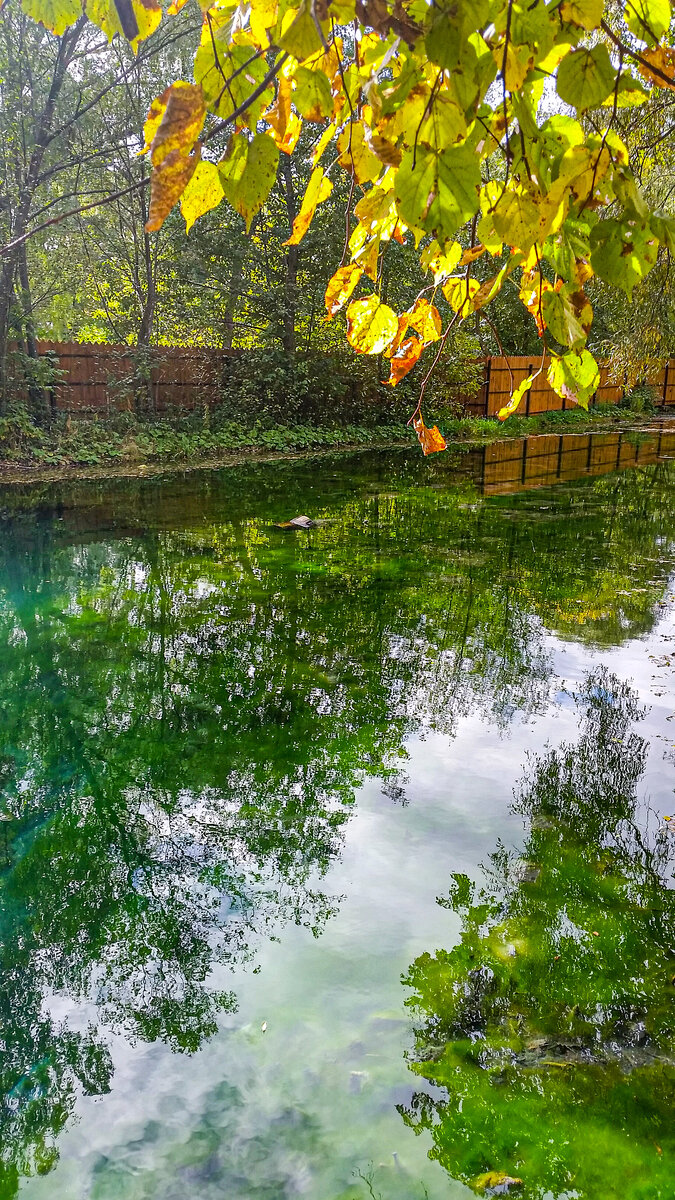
(473, 434)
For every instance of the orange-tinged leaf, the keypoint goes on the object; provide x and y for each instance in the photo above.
(431, 440)
(385, 150)
(515, 398)
(403, 359)
(280, 118)
(341, 286)
(167, 184)
(319, 189)
(425, 319)
(371, 325)
(471, 255)
(662, 59)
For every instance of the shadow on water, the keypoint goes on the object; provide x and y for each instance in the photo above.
(551, 1024)
(190, 700)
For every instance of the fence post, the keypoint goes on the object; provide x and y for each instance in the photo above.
(487, 387)
(530, 368)
(665, 385)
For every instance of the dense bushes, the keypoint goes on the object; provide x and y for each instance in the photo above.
(340, 388)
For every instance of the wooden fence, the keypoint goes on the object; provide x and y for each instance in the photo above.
(499, 382)
(102, 378)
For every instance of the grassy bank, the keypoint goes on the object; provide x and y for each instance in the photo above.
(128, 441)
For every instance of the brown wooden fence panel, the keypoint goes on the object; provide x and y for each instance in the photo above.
(106, 378)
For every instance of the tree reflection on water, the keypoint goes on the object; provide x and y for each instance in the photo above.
(550, 1025)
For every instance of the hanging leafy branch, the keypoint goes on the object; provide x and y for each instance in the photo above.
(444, 115)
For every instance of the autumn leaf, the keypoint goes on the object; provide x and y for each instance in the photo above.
(312, 96)
(319, 189)
(425, 319)
(371, 325)
(431, 440)
(516, 398)
(341, 286)
(403, 360)
(356, 157)
(203, 192)
(285, 125)
(459, 293)
(658, 66)
(55, 15)
(133, 19)
(174, 120)
(575, 376)
(167, 184)
(171, 129)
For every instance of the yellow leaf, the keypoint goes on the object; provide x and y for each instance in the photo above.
(133, 19)
(341, 286)
(512, 405)
(325, 140)
(356, 157)
(203, 192)
(459, 293)
(55, 15)
(371, 325)
(425, 319)
(319, 189)
(264, 15)
(299, 33)
(174, 121)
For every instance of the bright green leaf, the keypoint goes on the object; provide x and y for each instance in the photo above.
(438, 192)
(247, 173)
(586, 77)
(648, 19)
(623, 252)
(574, 376)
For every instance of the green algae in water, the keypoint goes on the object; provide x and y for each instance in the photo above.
(190, 704)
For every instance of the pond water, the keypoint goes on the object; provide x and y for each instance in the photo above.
(334, 863)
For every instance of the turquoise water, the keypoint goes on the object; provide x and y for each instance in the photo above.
(334, 863)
